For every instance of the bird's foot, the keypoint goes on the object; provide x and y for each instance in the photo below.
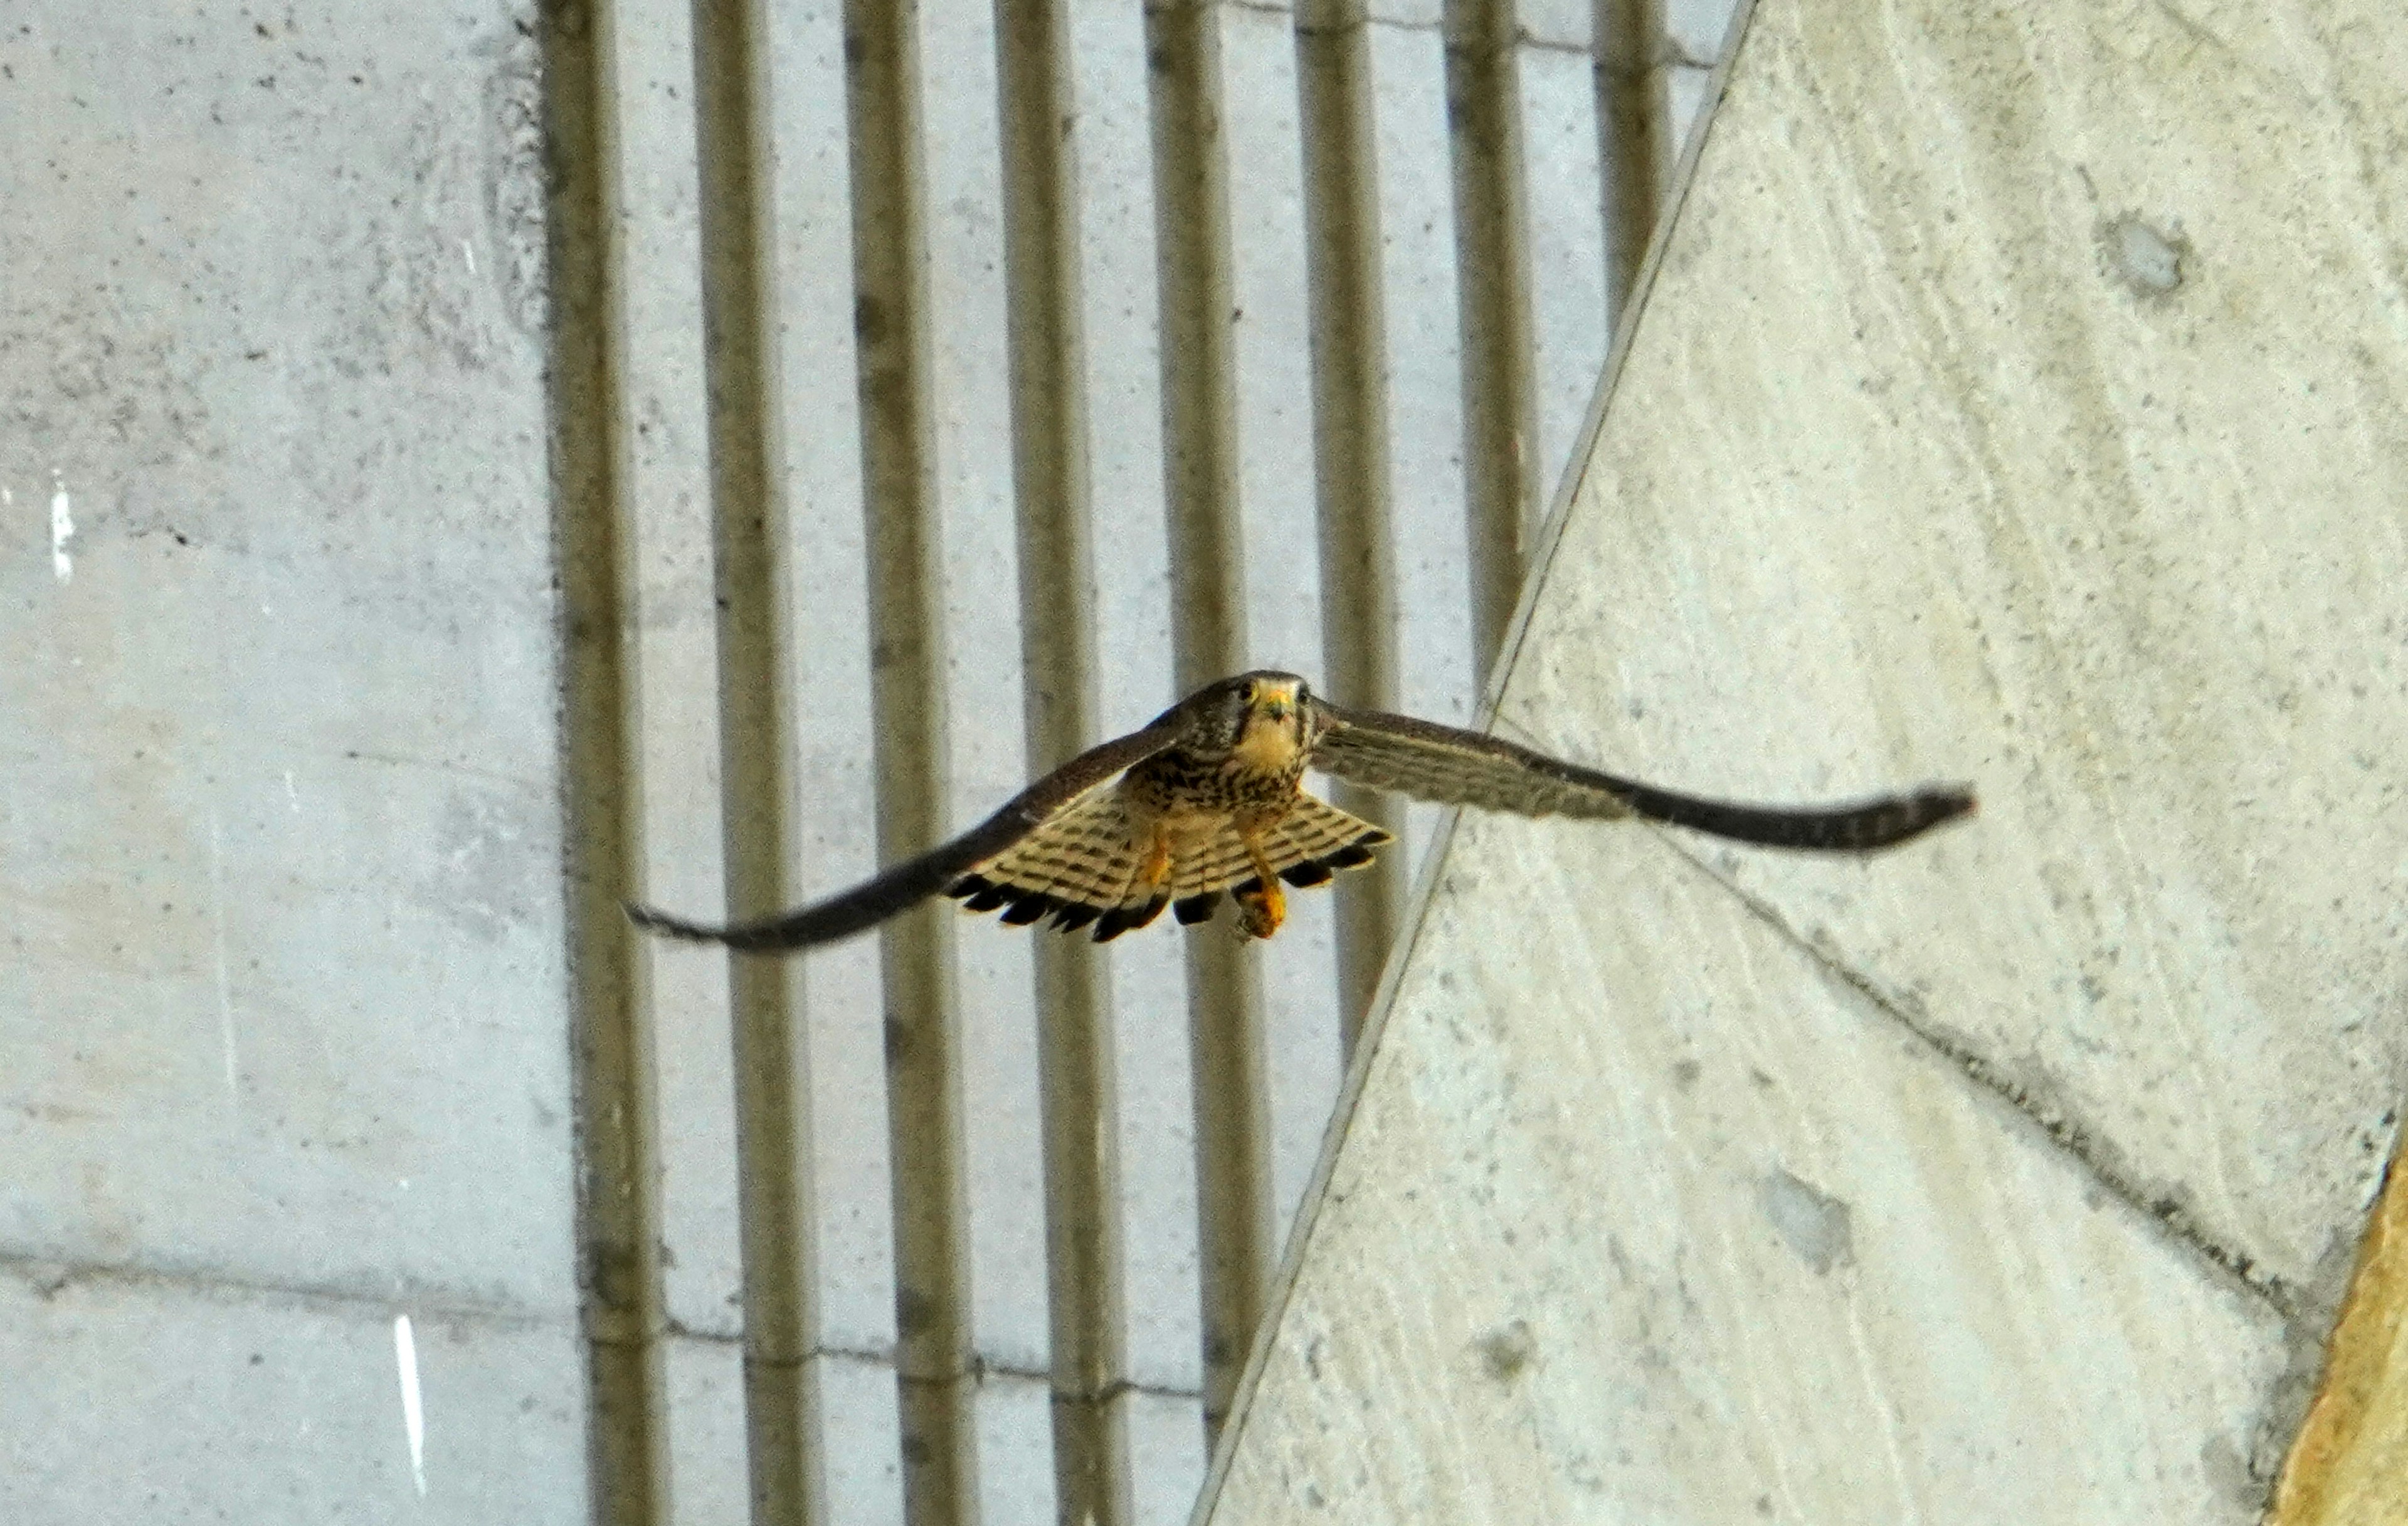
(1260, 912)
(1156, 870)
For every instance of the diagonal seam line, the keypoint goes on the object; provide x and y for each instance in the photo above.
(2170, 1217)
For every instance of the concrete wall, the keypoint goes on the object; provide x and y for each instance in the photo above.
(283, 1023)
(832, 795)
(282, 1010)
(2019, 396)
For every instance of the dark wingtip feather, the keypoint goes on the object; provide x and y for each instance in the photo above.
(990, 898)
(1863, 826)
(1304, 876)
(968, 885)
(1888, 823)
(1196, 909)
(1028, 908)
(1354, 855)
(1933, 807)
(1072, 917)
(653, 919)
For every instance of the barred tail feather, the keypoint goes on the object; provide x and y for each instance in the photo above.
(1307, 847)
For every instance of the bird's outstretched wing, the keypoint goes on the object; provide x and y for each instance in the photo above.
(866, 905)
(1454, 767)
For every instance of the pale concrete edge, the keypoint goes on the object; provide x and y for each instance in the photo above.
(1375, 1022)
(1551, 530)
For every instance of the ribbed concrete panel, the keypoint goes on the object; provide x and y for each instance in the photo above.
(2018, 396)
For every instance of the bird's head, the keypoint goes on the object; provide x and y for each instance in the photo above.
(1265, 716)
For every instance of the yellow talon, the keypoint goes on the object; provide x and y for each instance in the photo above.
(1260, 913)
(1156, 868)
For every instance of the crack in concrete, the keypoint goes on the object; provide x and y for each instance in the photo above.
(979, 1371)
(2173, 1219)
(1523, 36)
(50, 1276)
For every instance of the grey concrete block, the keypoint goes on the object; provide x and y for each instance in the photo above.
(141, 1398)
(1671, 1220)
(284, 1000)
(709, 1478)
(1570, 318)
(2135, 595)
(1978, 423)
(1695, 31)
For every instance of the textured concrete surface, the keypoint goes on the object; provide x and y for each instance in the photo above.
(1736, 1249)
(2019, 396)
(282, 1007)
(134, 1398)
(281, 1002)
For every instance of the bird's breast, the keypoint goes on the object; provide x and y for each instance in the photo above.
(1191, 793)
(1270, 751)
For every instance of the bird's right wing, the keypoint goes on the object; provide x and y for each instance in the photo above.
(914, 879)
(1450, 765)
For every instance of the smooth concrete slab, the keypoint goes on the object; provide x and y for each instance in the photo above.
(146, 1399)
(2018, 396)
(2018, 450)
(1674, 1224)
(284, 999)
(281, 1002)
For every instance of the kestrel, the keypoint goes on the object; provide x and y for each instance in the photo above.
(1208, 798)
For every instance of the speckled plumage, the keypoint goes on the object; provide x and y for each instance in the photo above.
(1208, 799)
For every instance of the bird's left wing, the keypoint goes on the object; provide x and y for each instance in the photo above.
(914, 879)
(1452, 767)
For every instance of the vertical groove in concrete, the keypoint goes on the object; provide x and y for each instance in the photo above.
(773, 1192)
(933, 1355)
(1350, 444)
(618, 1208)
(1077, 1076)
(1484, 111)
(1633, 132)
(1200, 448)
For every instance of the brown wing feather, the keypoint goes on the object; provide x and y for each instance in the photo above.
(1084, 866)
(1454, 767)
(914, 879)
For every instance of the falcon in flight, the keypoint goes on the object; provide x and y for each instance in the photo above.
(1207, 798)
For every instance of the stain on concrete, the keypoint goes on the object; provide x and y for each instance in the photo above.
(1506, 1350)
(513, 174)
(1817, 1228)
(486, 879)
(2145, 259)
